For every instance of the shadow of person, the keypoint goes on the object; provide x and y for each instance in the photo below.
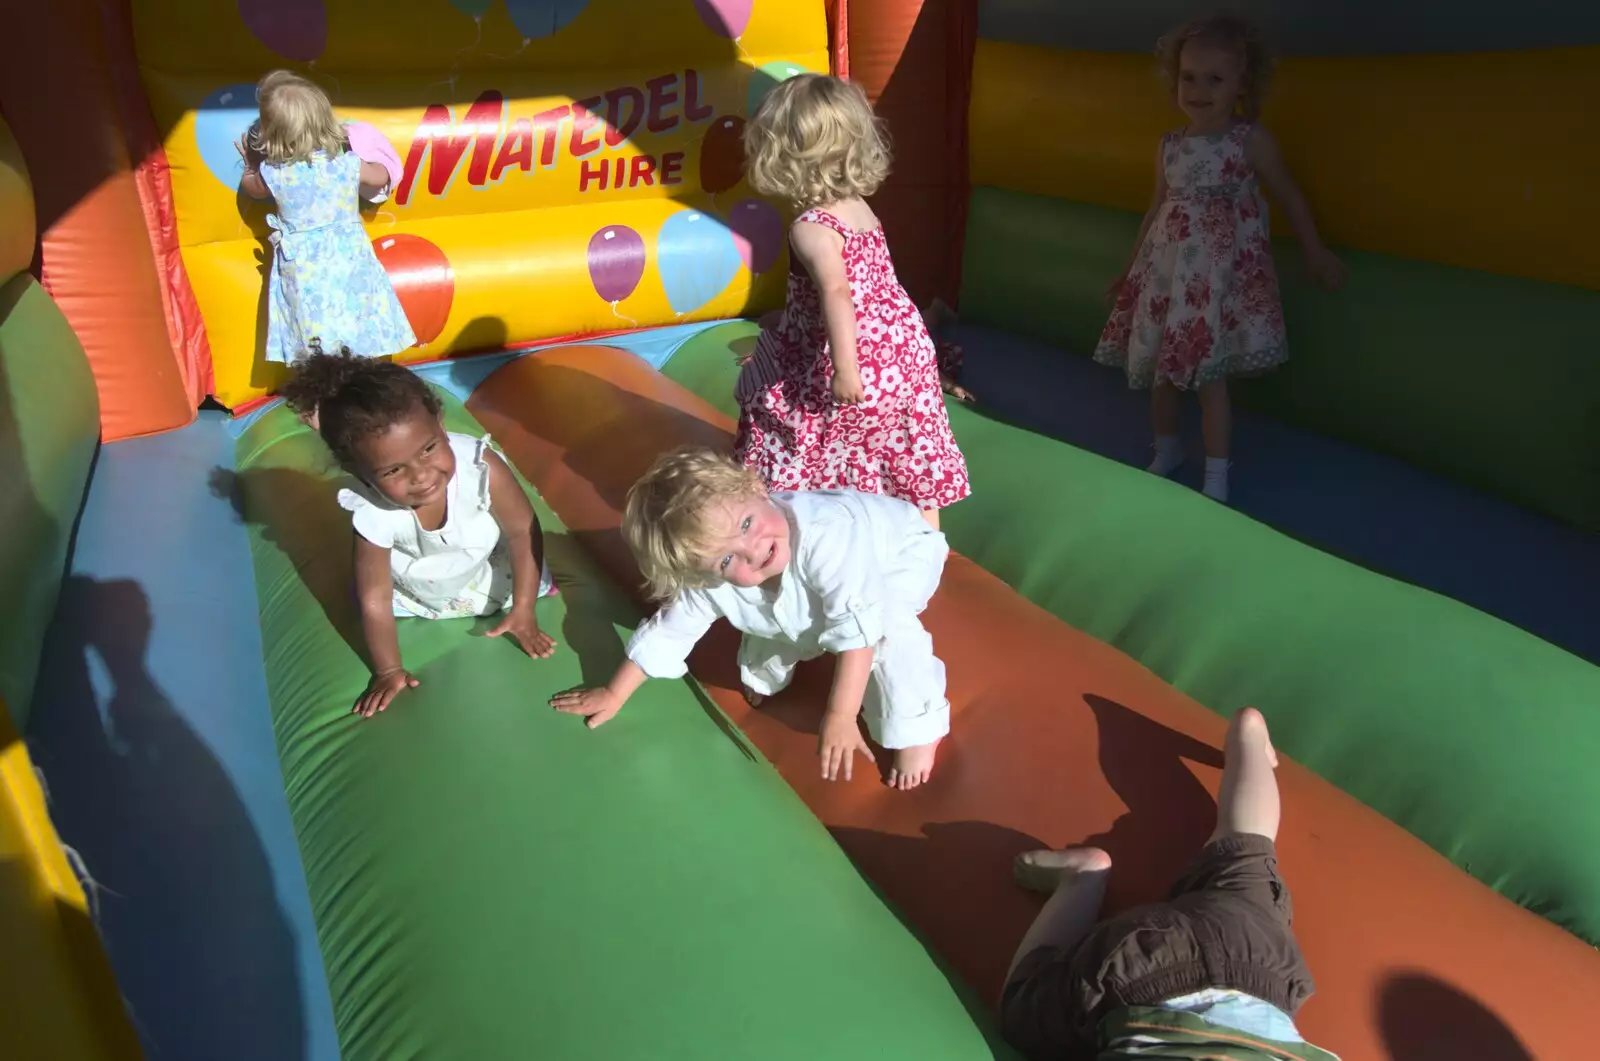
(1425, 1019)
(1170, 814)
(304, 521)
(182, 887)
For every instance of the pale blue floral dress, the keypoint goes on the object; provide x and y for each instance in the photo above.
(326, 283)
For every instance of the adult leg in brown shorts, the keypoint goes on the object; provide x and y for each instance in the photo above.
(1226, 923)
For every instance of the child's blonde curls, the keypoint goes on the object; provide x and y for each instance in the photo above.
(815, 140)
(1234, 34)
(297, 120)
(669, 520)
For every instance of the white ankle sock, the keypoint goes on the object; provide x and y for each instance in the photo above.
(1216, 485)
(1169, 454)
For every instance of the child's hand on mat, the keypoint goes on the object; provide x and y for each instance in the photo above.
(382, 689)
(838, 743)
(596, 705)
(1326, 268)
(523, 626)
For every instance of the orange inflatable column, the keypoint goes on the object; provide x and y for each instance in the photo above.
(58, 95)
(914, 59)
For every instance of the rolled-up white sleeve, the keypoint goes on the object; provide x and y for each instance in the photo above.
(662, 643)
(842, 564)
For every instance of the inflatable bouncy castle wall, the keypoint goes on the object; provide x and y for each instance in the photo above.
(203, 855)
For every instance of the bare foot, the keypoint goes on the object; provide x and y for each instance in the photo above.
(1044, 871)
(751, 697)
(1253, 726)
(912, 766)
(956, 390)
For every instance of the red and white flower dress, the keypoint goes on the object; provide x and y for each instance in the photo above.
(1201, 300)
(896, 442)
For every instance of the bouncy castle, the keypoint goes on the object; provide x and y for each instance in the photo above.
(204, 855)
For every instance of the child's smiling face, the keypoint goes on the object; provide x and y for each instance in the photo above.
(1210, 79)
(411, 462)
(755, 545)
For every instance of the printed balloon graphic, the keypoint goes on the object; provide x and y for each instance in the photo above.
(727, 18)
(423, 279)
(295, 29)
(763, 79)
(472, 8)
(758, 233)
(722, 154)
(616, 262)
(536, 19)
(697, 257)
(221, 119)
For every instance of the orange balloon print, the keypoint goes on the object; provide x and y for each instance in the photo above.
(422, 278)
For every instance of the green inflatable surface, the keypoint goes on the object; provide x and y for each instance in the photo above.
(1493, 381)
(1478, 738)
(492, 880)
(49, 427)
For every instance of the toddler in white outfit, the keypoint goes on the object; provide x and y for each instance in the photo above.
(800, 575)
(443, 529)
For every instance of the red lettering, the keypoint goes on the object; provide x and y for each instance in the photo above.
(693, 108)
(448, 142)
(671, 164)
(619, 129)
(585, 118)
(592, 171)
(549, 123)
(663, 94)
(515, 150)
(643, 169)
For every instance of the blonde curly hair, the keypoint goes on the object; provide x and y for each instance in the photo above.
(669, 520)
(1231, 33)
(297, 120)
(815, 140)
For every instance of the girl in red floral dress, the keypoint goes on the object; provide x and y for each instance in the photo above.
(1199, 301)
(844, 391)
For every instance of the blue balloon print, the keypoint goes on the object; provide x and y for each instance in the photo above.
(765, 78)
(543, 18)
(224, 117)
(697, 257)
(473, 8)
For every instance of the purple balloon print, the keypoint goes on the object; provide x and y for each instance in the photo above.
(616, 262)
(727, 18)
(758, 232)
(295, 29)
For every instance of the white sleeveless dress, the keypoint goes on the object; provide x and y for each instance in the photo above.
(463, 568)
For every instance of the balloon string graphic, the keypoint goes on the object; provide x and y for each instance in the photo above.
(621, 316)
(338, 89)
(455, 60)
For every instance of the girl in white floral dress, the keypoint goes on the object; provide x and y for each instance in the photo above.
(326, 285)
(1199, 301)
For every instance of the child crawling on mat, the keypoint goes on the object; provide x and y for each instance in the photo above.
(443, 531)
(1212, 973)
(800, 575)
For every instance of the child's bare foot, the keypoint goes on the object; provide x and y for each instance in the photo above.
(751, 697)
(1044, 871)
(912, 766)
(956, 390)
(1253, 727)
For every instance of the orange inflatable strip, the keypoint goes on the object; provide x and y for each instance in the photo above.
(1057, 739)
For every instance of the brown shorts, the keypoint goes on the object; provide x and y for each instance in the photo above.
(1225, 924)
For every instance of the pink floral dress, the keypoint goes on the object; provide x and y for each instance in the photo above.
(898, 441)
(1201, 300)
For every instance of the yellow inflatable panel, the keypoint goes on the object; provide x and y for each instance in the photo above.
(61, 1000)
(585, 180)
(1486, 161)
(16, 208)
